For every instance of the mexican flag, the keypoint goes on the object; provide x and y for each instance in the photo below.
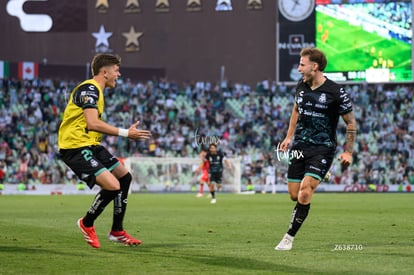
(28, 70)
(4, 69)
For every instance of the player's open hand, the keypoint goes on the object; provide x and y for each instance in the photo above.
(135, 133)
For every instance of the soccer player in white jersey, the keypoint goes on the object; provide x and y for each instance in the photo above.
(270, 180)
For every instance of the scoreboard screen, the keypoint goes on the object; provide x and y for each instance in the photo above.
(365, 40)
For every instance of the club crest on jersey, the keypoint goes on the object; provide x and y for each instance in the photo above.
(322, 98)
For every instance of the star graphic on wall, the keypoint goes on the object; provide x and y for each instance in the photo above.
(162, 3)
(223, 5)
(132, 3)
(132, 6)
(193, 5)
(193, 2)
(132, 39)
(254, 4)
(102, 3)
(102, 37)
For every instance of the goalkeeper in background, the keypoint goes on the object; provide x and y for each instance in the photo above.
(204, 177)
(79, 141)
(216, 159)
(319, 102)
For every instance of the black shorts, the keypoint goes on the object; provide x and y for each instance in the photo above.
(313, 161)
(88, 162)
(216, 178)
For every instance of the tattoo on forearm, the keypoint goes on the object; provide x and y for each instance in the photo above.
(350, 139)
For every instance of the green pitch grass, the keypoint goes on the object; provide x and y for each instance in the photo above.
(182, 234)
(349, 48)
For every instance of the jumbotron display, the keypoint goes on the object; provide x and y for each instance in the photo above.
(366, 40)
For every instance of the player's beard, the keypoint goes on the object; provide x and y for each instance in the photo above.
(307, 78)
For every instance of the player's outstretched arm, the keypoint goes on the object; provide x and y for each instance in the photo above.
(95, 124)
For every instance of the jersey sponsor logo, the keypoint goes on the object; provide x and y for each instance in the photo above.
(299, 98)
(313, 113)
(321, 106)
(88, 97)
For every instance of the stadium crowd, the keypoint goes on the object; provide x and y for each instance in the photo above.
(246, 122)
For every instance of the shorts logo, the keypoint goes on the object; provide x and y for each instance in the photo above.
(94, 163)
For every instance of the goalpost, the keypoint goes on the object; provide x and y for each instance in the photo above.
(170, 174)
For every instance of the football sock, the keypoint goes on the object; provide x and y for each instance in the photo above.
(213, 194)
(120, 203)
(201, 188)
(299, 214)
(100, 202)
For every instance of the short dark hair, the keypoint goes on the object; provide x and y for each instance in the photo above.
(315, 55)
(101, 60)
(212, 144)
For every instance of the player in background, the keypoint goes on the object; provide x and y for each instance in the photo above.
(79, 142)
(204, 178)
(270, 180)
(216, 159)
(319, 102)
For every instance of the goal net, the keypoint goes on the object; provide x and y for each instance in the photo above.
(151, 174)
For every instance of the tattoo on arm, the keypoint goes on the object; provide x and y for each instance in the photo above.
(350, 139)
(351, 131)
